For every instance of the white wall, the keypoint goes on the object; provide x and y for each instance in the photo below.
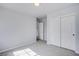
(77, 34)
(64, 11)
(16, 29)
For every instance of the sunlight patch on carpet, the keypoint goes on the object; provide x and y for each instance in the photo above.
(25, 52)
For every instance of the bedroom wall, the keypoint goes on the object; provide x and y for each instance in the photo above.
(77, 33)
(16, 29)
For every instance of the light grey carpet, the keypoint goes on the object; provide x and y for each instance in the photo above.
(42, 49)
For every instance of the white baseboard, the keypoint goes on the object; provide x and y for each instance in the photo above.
(62, 47)
(17, 46)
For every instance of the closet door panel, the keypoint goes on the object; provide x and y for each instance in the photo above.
(67, 32)
(53, 31)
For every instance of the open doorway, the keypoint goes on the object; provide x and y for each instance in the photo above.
(42, 28)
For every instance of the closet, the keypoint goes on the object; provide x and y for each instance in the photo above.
(61, 31)
(53, 30)
(68, 32)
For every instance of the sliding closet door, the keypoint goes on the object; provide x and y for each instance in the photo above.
(68, 32)
(53, 31)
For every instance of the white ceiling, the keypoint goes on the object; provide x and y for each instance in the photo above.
(43, 9)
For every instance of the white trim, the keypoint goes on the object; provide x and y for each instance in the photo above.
(17, 46)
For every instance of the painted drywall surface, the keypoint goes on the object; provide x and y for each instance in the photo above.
(65, 11)
(16, 29)
(77, 34)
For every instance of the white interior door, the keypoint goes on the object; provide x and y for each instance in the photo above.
(41, 31)
(67, 32)
(53, 31)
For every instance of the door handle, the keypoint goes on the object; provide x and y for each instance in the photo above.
(73, 34)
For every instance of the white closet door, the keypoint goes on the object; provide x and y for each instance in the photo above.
(67, 32)
(53, 31)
